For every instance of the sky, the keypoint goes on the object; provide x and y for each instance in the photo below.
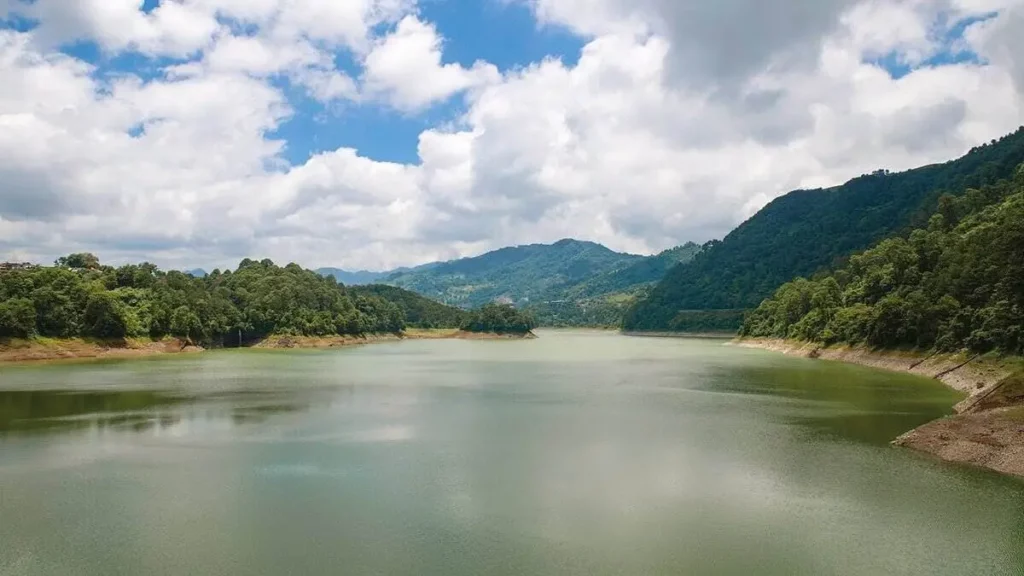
(372, 134)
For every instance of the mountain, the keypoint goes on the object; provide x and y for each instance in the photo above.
(519, 275)
(196, 273)
(808, 231)
(360, 278)
(604, 299)
(638, 274)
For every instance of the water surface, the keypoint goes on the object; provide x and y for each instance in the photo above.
(578, 453)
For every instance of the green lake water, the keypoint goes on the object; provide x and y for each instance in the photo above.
(577, 453)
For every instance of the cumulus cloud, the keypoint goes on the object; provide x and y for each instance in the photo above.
(406, 67)
(679, 120)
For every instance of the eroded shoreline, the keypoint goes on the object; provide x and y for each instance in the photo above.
(43, 350)
(988, 428)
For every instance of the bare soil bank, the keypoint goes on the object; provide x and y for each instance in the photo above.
(61, 349)
(988, 429)
(77, 348)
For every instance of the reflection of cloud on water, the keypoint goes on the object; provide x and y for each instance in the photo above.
(297, 471)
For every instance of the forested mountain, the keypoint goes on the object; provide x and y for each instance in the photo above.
(80, 297)
(519, 275)
(807, 231)
(956, 283)
(360, 278)
(604, 299)
(640, 273)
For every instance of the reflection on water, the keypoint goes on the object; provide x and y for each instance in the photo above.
(51, 411)
(58, 410)
(572, 454)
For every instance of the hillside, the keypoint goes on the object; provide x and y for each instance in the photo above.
(807, 231)
(419, 311)
(518, 275)
(957, 283)
(604, 299)
(568, 283)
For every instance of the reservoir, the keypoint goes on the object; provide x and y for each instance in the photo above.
(576, 453)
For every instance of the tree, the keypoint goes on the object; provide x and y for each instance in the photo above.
(17, 318)
(80, 260)
(104, 316)
(186, 324)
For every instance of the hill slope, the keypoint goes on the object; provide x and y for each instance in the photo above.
(419, 311)
(806, 231)
(519, 275)
(957, 283)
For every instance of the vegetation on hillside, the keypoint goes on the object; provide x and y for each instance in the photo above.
(957, 283)
(809, 230)
(499, 319)
(517, 275)
(419, 311)
(79, 297)
(568, 283)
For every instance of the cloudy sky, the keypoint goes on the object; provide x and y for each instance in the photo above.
(379, 133)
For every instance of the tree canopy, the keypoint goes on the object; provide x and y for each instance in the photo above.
(79, 297)
(957, 283)
(499, 319)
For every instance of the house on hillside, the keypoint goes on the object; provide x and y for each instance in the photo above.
(11, 266)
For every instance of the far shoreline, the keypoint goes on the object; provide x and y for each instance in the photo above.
(703, 335)
(43, 350)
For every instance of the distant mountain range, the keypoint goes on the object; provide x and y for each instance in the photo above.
(360, 278)
(570, 282)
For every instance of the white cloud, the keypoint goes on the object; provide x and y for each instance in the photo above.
(676, 123)
(173, 28)
(406, 67)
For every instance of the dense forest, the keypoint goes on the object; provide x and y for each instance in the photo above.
(498, 318)
(419, 312)
(79, 297)
(956, 283)
(807, 231)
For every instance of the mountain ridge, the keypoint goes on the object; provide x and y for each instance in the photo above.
(807, 231)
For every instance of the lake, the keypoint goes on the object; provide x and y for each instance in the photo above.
(576, 453)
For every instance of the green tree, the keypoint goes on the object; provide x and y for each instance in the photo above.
(81, 260)
(17, 318)
(104, 316)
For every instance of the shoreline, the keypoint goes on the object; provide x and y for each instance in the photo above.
(70, 349)
(707, 335)
(987, 430)
(53, 349)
